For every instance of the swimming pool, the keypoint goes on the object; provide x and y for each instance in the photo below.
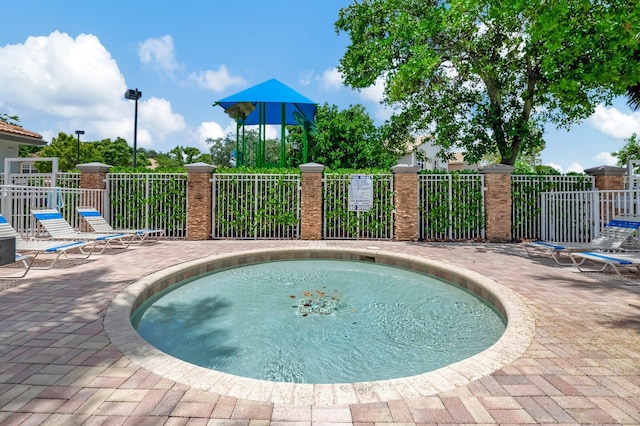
(516, 338)
(318, 321)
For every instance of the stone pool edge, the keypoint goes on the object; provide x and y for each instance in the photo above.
(515, 340)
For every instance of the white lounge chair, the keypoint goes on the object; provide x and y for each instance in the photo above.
(27, 260)
(59, 229)
(24, 247)
(618, 235)
(615, 261)
(98, 223)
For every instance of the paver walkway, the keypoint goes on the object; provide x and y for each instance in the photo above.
(58, 367)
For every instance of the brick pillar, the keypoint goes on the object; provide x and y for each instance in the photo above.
(199, 202)
(405, 202)
(93, 175)
(608, 178)
(311, 201)
(497, 202)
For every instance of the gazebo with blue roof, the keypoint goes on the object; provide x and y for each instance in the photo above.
(271, 102)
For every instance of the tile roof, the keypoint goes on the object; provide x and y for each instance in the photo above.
(17, 130)
(11, 133)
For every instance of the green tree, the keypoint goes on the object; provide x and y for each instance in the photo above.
(14, 120)
(114, 153)
(347, 139)
(487, 75)
(221, 150)
(630, 151)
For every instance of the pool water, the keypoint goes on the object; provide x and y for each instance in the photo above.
(318, 321)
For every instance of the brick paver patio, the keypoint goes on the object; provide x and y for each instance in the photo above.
(59, 367)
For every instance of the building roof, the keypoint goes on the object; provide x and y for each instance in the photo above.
(10, 132)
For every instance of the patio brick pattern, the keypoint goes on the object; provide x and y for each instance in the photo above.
(58, 366)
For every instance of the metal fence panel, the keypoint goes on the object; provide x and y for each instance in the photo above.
(17, 201)
(578, 216)
(451, 206)
(527, 218)
(147, 201)
(340, 223)
(256, 206)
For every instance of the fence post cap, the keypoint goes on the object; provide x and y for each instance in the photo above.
(93, 168)
(311, 168)
(405, 169)
(199, 168)
(497, 169)
(606, 171)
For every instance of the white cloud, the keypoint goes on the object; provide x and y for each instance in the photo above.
(305, 78)
(331, 79)
(217, 81)
(615, 123)
(160, 53)
(555, 166)
(78, 85)
(606, 159)
(61, 76)
(156, 114)
(575, 167)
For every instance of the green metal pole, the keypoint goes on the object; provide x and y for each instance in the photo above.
(283, 152)
(304, 145)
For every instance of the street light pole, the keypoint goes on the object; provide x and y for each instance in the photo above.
(134, 95)
(78, 133)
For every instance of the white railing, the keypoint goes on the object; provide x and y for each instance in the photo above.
(340, 223)
(17, 201)
(526, 206)
(147, 201)
(256, 206)
(451, 206)
(578, 216)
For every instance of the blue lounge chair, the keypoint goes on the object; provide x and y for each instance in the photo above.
(59, 229)
(618, 235)
(33, 248)
(614, 261)
(98, 223)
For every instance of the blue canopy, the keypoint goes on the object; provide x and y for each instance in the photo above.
(266, 103)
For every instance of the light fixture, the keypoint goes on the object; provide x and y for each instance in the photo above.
(134, 95)
(78, 133)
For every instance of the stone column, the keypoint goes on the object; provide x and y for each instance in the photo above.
(405, 202)
(497, 202)
(608, 178)
(311, 201)
(199, 201)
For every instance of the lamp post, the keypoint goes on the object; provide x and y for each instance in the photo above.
(134, 95)
(78, 133)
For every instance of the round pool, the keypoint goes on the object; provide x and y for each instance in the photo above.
(293, 302)
(318, 321)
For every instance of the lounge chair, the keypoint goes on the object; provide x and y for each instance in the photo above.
(615, 261)
(59, 229)
(618, 235)
(24, 247)
(98, 223)
(27, 260)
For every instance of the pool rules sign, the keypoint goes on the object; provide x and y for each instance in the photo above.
(361, 193)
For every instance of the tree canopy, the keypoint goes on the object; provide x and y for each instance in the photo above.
(487, 75)
(347, 139)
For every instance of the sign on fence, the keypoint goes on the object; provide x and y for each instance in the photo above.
(361, 193)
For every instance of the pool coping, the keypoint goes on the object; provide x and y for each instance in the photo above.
(516, 339)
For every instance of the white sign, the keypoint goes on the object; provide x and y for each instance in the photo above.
(361, 193)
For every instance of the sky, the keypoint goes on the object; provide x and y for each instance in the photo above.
(66, 64)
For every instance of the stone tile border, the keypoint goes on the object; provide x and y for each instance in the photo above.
(515, 340)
